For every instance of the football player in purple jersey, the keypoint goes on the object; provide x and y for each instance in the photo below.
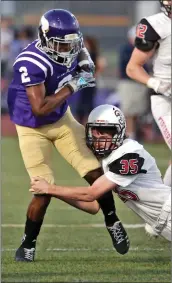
(46, 73)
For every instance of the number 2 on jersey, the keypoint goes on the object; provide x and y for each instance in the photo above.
(129, 166)
(141, 30)
(24, 75)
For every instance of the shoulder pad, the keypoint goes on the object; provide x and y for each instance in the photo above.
(146, 31)
(161, 24)
(128, 164)
(146, 37)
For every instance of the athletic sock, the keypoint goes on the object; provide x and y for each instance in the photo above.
(107, 205)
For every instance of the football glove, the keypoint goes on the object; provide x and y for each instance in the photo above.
(85, 63)
(160, 86)
(89, 68)
(81, 80)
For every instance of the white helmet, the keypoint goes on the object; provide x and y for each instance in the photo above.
(107, 117)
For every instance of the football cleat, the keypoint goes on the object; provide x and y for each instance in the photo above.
(26, 252)
(150, 232)
(119, 237)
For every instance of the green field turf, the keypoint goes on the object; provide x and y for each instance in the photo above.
(69, 249)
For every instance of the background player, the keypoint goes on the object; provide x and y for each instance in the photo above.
(154, 39)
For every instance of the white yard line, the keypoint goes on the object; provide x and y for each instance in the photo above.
(104, 249)
(93, 250)
(129, 226)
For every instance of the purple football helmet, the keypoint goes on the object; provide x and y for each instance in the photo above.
(60, 36)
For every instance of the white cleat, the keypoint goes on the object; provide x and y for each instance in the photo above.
(150, 231)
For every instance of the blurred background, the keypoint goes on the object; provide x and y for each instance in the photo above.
(109, 30)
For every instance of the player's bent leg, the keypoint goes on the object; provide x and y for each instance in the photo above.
(106, 201)
(37, 207)
(71, 144)
(114, 226)
(35, 149)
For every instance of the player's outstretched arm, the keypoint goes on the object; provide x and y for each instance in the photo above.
(88, 194)
(89, 207)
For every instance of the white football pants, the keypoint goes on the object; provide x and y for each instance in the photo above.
(161, 111)
(163, 224)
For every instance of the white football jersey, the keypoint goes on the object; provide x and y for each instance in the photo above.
(138, 178)
(162, 59)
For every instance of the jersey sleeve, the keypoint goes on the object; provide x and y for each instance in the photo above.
(124, 170)
(146, 36)
(29, 71)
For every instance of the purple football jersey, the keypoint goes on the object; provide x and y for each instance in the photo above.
(31, 67)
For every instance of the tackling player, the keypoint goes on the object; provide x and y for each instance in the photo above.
(129, 170)
(46, 73)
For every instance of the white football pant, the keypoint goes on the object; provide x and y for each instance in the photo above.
(163, 223)
(161, 111)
